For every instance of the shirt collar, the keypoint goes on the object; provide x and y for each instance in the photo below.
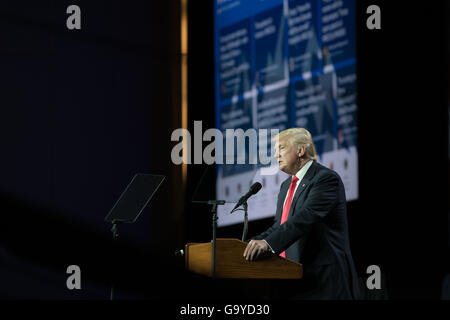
(301, 173)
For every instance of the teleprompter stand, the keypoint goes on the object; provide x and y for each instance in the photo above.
(132, 201)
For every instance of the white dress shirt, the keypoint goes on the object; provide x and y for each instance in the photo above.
(300, 174)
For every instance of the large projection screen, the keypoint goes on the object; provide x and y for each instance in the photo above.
(282, 64)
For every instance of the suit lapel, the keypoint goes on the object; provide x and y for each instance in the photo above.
(283, 192)
(303, 184)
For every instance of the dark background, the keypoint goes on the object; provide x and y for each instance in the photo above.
(83, 111)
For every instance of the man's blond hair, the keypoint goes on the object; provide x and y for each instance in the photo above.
(299, 137)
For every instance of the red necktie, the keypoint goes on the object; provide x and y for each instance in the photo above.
(287, 205)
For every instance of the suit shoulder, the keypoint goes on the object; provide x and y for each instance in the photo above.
(325, 171)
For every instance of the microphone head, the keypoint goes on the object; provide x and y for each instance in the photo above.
(255, 187)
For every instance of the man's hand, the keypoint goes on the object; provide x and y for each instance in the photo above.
(255, 249)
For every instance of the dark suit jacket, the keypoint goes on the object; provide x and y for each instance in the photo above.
(316, 235)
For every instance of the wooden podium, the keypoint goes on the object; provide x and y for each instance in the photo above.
(230, 262)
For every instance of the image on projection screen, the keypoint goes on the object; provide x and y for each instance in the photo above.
(282, 64)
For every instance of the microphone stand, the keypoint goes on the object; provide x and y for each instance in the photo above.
(244, 232)
(214, 204)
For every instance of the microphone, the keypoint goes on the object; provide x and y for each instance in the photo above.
(253, 190)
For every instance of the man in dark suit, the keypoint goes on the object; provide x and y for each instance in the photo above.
(311, 222)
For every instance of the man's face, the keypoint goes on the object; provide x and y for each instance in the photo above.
(288, 156)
